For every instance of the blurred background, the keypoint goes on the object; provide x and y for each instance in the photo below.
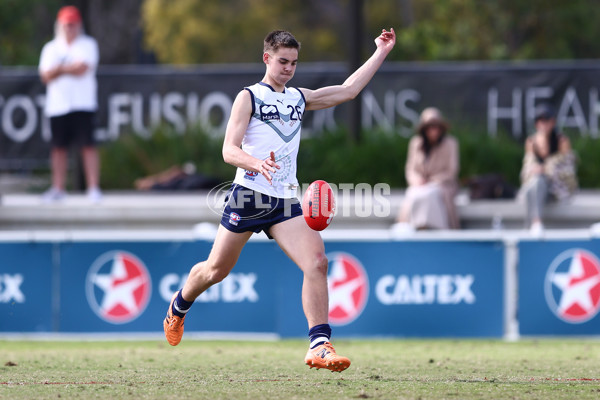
(169, 71)
(193, 32)
(456, 55)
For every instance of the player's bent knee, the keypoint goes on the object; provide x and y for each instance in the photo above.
(318, 265)
(216, 274)
(207, 273)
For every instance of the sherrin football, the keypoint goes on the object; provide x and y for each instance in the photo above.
(318, 205)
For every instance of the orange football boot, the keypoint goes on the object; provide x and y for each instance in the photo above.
(324, 356)
(173, 325)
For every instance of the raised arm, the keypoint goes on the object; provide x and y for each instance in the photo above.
(330, 96)
(234, 134)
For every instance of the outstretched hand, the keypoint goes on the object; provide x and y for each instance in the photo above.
(268, 166)
(386, 40)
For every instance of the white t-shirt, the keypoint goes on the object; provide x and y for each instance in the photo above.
(275, 125)
(69, 93)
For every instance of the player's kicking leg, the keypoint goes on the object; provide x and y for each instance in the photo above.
(305, 247)
(221, 260)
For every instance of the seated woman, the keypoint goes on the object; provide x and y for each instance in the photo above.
(432, 175)
(549, 170)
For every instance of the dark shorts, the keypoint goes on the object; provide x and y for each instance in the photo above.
(75, 128)
(246, 210)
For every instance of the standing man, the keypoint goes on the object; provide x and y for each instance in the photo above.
(68, 69)
(262, 140)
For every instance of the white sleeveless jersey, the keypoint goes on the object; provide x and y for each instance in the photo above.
(275, 126)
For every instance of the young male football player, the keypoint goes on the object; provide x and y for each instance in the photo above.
(262, 139)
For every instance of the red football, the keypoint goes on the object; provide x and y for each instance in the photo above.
(318, 205)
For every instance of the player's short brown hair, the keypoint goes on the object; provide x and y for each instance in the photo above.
(277, 39)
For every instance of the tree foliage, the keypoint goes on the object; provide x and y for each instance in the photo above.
(213, 31)
(189, 31)
(25, 28)
(132, 157)
(491, 29)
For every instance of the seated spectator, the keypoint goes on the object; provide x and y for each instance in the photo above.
(432, 175)
(549, 171)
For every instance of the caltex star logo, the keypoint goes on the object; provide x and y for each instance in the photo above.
(348, 288)
(118, 287)
(572, 286)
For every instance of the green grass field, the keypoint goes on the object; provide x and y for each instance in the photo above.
(381, 369)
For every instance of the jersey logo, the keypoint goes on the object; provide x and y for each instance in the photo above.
(234, 219)
(268, 112)
(250, 175)
(286, 122)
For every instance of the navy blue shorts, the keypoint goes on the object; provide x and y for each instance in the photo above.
(74, 128)
(247, 210)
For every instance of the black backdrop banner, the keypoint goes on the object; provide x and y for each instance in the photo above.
(489, 97)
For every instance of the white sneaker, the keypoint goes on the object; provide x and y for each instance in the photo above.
(536, 229)
(53, 195)
(94, 195)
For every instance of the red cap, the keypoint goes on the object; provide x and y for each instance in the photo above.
(68, 15)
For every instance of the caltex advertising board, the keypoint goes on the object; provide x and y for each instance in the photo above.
(387, 288)
(559, 287)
